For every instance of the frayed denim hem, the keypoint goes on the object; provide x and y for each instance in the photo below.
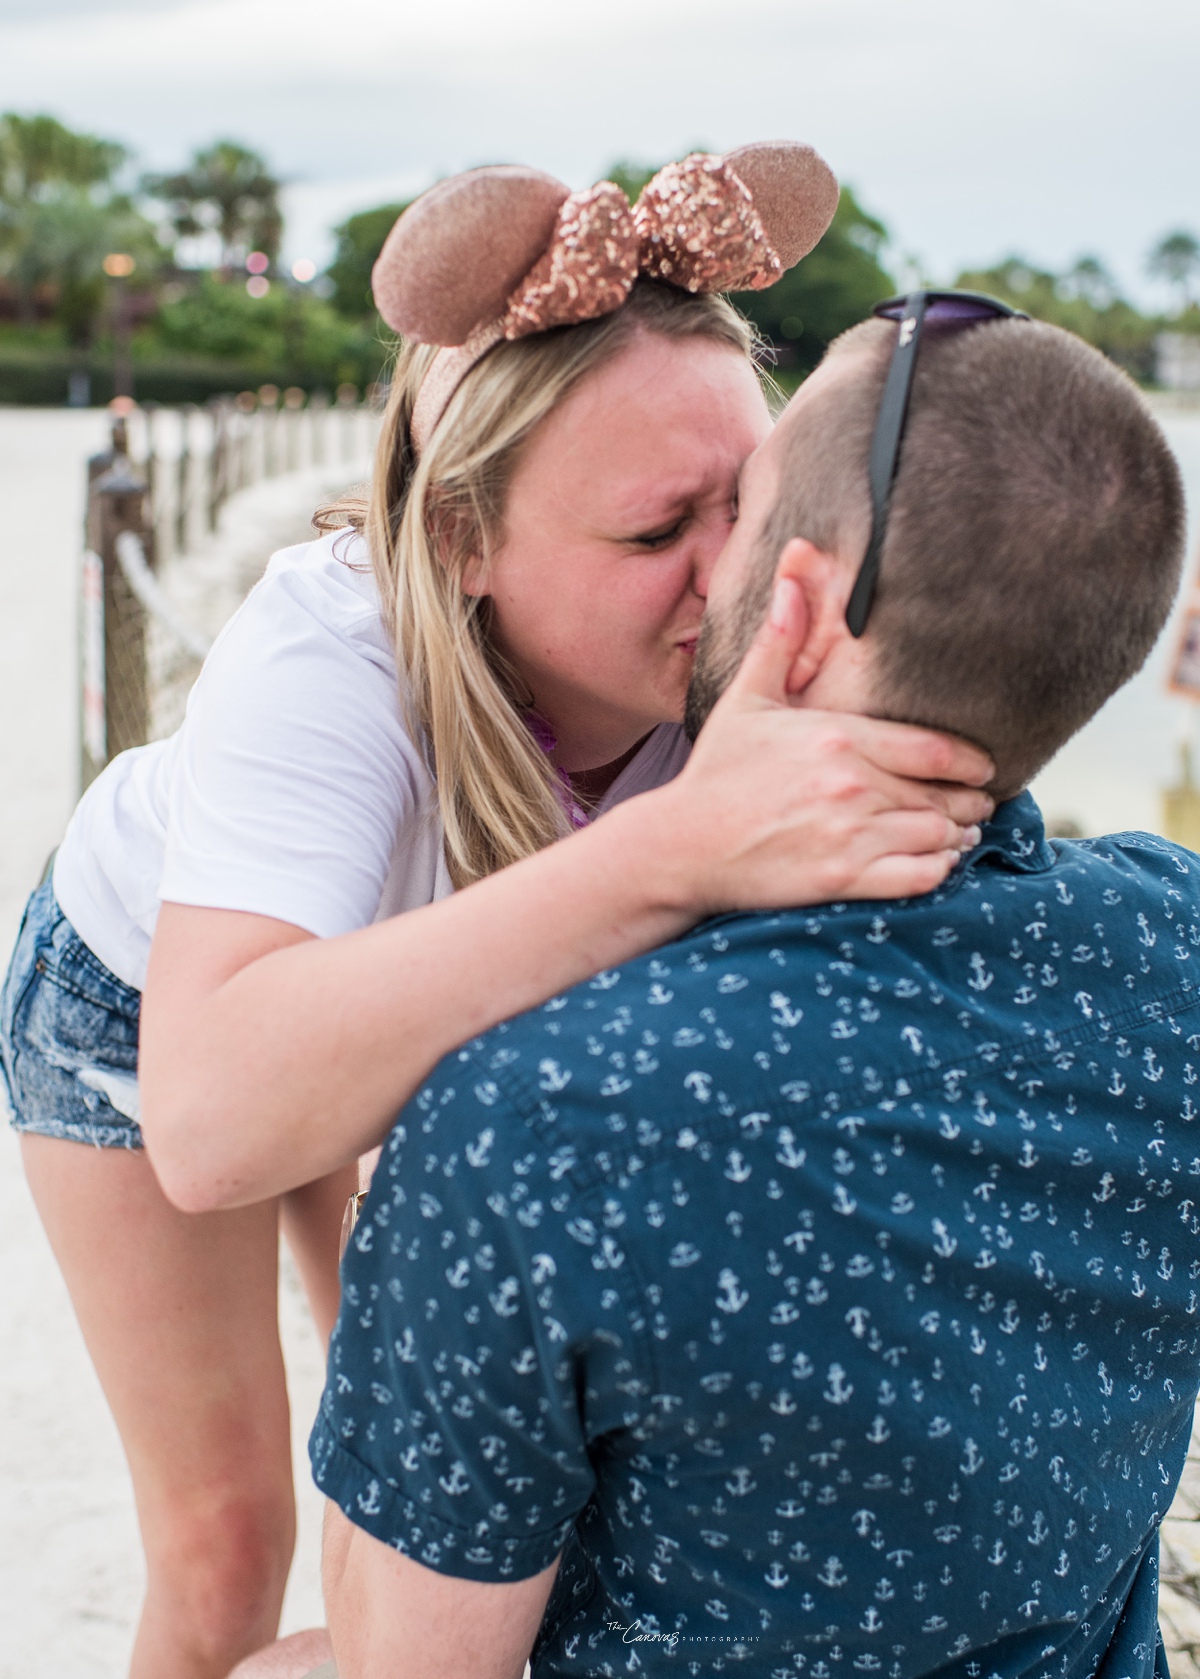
(123, 1134)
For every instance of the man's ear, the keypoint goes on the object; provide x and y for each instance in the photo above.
(815, 573)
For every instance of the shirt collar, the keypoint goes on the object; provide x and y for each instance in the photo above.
(1016, 837)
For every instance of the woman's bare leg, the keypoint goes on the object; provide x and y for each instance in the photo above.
(312, 1223)
(180, 1316)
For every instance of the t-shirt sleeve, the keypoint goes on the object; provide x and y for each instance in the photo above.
(477, 1353)
(293, 777)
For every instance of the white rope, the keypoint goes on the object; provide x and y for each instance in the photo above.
(91, 638)
(131, 556)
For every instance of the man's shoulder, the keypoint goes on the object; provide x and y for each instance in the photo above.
(767, 1012)
(1148, 855)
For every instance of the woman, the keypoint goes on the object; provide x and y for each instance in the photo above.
(538, 546)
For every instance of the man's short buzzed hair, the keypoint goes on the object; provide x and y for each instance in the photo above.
(1034, 540)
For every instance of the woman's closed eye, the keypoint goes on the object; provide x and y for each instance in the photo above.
(666, 534)
(661, 538)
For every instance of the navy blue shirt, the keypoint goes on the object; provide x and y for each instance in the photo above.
(824, 1285)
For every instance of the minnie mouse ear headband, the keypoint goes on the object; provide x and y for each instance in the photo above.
(504, 252)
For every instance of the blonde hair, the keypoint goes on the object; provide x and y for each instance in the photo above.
(426, 518)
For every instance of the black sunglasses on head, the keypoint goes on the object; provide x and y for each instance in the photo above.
(914, 312)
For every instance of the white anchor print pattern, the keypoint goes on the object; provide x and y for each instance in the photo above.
(824, 1286)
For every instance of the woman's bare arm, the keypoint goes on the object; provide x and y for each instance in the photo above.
(268, 1057)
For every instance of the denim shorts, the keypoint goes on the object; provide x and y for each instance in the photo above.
(68, 1035)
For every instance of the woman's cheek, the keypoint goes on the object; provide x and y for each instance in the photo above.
(670, 585)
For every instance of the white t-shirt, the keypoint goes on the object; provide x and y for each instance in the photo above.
(292, 788)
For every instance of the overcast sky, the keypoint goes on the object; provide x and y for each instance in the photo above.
(1047, 127)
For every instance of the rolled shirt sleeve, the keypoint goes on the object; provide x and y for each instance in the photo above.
(294, 781)
(478, 1354)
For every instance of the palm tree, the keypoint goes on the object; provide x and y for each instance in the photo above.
(39, 161)
(1176, 259)
(229, 190)
(66, 237)
(1089, 280)
(38, 151)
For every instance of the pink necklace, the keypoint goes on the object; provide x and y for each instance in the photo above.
(545, 737)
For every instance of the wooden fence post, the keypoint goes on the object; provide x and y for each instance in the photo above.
(183, 479)
(218, 461)
(268, 422)
(117, 502)
(318, 409)
(93, 734)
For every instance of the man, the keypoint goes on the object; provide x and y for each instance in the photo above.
(817, 1295)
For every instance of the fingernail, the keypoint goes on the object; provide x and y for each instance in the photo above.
(971, 837)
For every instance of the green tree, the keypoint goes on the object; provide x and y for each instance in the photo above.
(41, 163)
(289, 333)
(227, 189)
(1089, 280)
(631, 177)
(1085, 301)
(67, 235)
(1176, 259)
(38, 152)
(60, 216)
(831, 289)
(359, 241)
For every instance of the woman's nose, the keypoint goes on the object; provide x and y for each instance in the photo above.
(710, 540)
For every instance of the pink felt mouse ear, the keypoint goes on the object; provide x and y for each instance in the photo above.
(795, 193)
(451, 261)
(734, 223)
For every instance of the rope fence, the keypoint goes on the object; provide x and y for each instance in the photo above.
(154, 500)
(131, 557)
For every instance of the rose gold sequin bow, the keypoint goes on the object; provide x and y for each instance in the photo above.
(705, 224)
(695, 225)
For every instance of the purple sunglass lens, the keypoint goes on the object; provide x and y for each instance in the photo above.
(959, 309)
(947, 309)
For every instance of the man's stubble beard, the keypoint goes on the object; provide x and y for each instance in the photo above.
(721, 646)
(712, 672)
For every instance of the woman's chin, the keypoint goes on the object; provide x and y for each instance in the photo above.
(675, 701)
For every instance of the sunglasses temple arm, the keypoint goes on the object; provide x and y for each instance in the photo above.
(885, 457)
